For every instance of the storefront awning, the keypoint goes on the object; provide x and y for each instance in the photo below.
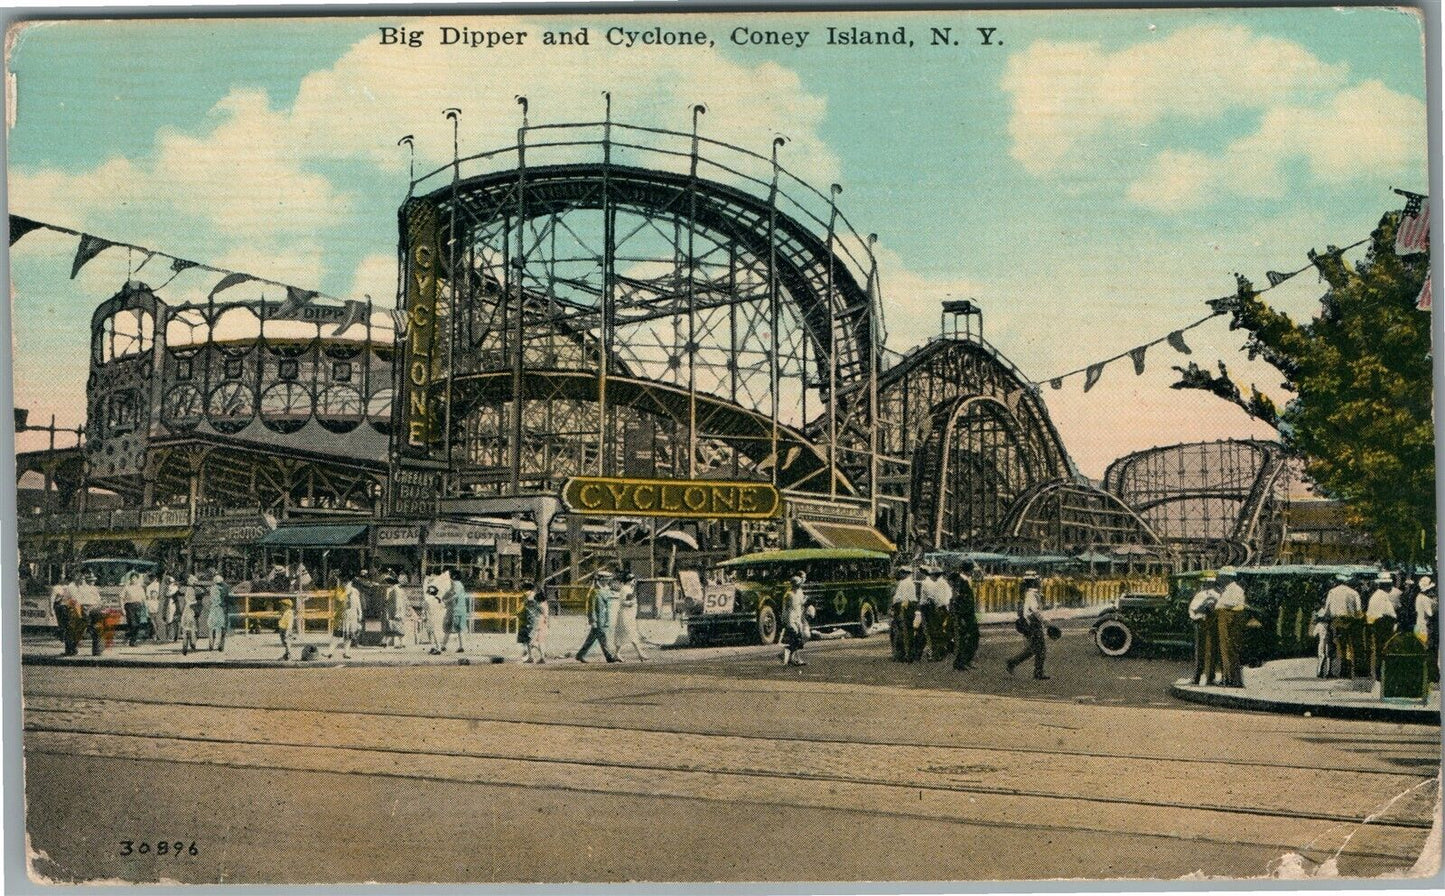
(337, 535)
(847, 535)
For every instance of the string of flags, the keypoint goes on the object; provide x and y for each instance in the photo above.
(1175, 339)
(297, 306)
(1411, 237)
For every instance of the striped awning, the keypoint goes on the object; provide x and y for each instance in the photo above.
(847, 535)
(330, 536)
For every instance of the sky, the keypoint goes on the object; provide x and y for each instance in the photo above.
(1090, 178)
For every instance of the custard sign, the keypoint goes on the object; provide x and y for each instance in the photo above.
(683, 498)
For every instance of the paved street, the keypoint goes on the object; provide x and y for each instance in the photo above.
(708, 765)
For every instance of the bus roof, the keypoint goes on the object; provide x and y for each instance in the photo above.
(800, 555)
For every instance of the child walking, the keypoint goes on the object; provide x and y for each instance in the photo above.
(283, 627)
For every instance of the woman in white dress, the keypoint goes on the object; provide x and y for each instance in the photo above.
(434, 611)
(625, 631)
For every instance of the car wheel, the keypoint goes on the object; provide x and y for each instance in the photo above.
(866, 620)
(1113, 638)
(767, 625)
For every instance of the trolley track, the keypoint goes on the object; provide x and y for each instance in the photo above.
(510, 749)
(781, 737)
(794, 774)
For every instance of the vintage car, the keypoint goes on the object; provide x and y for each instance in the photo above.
(1280, 603)
(848, 588)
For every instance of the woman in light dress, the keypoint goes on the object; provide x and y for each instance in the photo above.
(625, 631)
(190, 615)
(434, 611)
(536, 614)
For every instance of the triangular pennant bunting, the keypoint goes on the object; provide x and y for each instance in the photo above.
(1137, 356)
(1176, 342)
(90, 246)
(20, 226)
(1056, 383)
(1091, 376)
(1276, 278)
(229, 281)
(180, 264)
(296, 299)
(355, 314)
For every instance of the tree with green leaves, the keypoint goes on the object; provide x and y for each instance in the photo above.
(1360, 376)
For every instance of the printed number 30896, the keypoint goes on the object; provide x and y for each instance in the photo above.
(160, 848)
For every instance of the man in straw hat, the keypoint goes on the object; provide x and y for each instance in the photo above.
(599, 616)
(1382, 616)
(1031, 615)
(1343, 614)
(1201, 614)
(1230, 620)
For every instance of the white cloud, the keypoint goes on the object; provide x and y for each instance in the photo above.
(1368, 128)
(245, 190)
(911, 298)
(376, 277)
(1070, 93)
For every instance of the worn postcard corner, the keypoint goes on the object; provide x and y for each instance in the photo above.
(621, 447)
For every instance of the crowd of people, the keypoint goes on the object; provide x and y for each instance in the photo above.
(934, 614)
(1351, 631)
(158, 607)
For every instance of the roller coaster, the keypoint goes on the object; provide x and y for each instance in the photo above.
(603, 299)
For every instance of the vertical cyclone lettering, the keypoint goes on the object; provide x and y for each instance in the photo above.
(422, 249)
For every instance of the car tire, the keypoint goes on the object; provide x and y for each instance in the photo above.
(768, 629)
(1113, 638)
(867, 618)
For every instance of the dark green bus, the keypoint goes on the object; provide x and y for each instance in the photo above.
(848, 588)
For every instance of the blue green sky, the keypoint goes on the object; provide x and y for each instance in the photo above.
(1090, 182)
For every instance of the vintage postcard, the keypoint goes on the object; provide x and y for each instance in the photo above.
(605, 446)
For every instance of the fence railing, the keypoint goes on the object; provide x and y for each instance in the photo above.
(259, 611)
(997, 594)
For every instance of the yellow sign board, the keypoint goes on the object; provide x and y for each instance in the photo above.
(681, 498)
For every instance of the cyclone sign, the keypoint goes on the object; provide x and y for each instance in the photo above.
(679, 498)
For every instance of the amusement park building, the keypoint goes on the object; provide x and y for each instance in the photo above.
(626, 310)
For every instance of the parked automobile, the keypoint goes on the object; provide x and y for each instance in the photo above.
(1281, 604)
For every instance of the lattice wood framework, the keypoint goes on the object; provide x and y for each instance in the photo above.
(579, 304)
(1216, 502)
(961, 434)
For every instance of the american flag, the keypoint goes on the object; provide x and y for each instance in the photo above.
(1413, 234)
(1423, 302)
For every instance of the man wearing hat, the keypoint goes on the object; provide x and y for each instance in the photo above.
(1031, 613)
(599, 616)
(906, 595)
(1381, 619)
(933, 604)
(1201, 614)
(1230, 619)
(1342, 614)
(964, 610)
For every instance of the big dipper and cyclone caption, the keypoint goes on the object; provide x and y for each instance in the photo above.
(657, 36)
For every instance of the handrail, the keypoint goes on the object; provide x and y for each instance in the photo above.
(855, 251)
